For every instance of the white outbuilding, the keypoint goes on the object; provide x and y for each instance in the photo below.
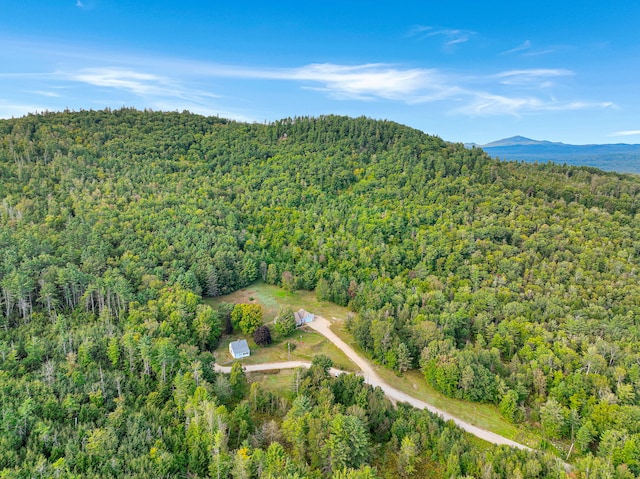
(239, 349)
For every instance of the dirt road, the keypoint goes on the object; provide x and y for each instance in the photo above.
(272, 366)
(322, 325)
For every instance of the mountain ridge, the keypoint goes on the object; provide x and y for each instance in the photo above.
(620, 157)
(518, 140)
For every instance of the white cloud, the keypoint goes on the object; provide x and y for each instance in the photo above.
(520, 48)
(367, 81)
(525, 49)
(413, 86)
(79, 4)
(626, 133)
(10, 110)
(363, 82)
(582, 105)
(138, 83)
(488, 104)
(135, 82)
(473, 96)
(46, 93)
(167, 81)
(535, 73)
(418, 30)
(451, 36)
(533, 78)
(539, 53)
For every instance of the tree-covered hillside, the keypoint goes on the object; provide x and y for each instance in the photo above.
(508, 283)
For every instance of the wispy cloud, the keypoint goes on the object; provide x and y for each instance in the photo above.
(535, 72)
(474, 96)
(367, 82)
(9, 109)
(123, 79)
(451, 36)
(539, 53)
(526, 50)
(370, 81)
(136, 82)
(626, 133)
(418, 30)
(539, 77)
(26, 76)
(160, 82)
(51, 94)
(520, 48)
(487, 104)
(79, 4)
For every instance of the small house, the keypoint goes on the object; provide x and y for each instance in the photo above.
(303, 317)
(239, 349)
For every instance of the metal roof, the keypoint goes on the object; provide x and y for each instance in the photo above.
(239, 347)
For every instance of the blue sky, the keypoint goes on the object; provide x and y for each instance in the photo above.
(470, 71)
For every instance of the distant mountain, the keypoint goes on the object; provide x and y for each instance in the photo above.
(518, 141)
(620, 157)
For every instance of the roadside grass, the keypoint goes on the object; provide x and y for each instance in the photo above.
(272, 298)
(413, 383)
(277, 382)
(484, 416)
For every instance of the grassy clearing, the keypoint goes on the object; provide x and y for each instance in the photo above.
(304, 346)
(305, 343)
(279, 382)
(259, 293)
(272, 298)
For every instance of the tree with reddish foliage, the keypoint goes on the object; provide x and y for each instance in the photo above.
(262, 336)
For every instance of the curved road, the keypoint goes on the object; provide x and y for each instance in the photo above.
(251, 368)
(323, 326)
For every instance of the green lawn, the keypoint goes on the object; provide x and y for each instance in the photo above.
(305, 343)
(304, 346)
(272, 298)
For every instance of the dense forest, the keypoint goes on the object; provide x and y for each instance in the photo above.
(508, 283)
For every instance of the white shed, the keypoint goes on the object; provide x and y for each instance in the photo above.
(239, 349)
